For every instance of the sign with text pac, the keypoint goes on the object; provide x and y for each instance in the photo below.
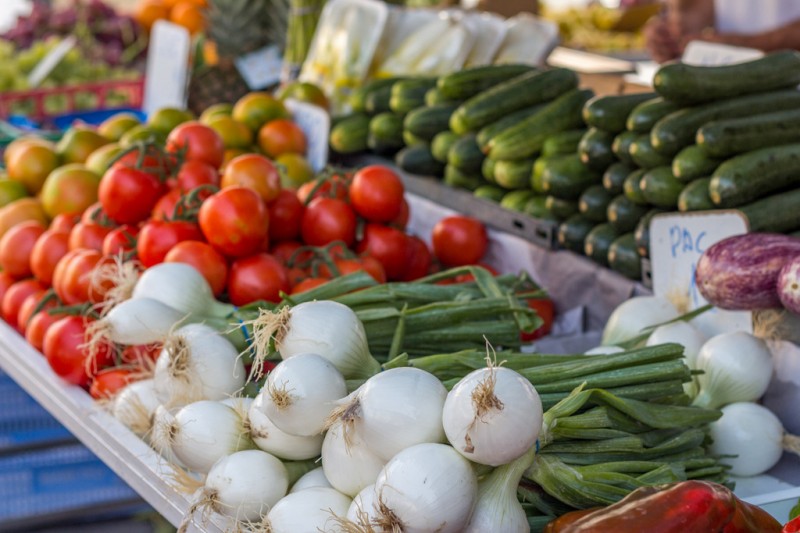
(167, 76)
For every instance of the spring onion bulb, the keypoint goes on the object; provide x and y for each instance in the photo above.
(348, 464)
(312, 509)
(240, 404)
(205, 431)
(363, 510)
(159, 438)
(197, 363)
(140, 321)
(634, 315)
(324, 327)
(753, 435)
(301, 392)
(269, 438)
(682, 333)
(737, 367)
(314, 478)
(393, 410)
(426, 488)
(604, 350)
(181, 287)
(135, 406)
(492, 416)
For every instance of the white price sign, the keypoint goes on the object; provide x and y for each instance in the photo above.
(167, 76)
(261, 68)
(316, 124)
(707, 54)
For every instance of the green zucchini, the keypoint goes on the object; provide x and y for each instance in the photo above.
(536, 207)
(642, 232)
(562, 143)
(377, 101)
(693, 84)
(358, 98)
(632, 187)
(695, 197)
(350, 134)
(593, 203)
(513, 174)
(660, 188)
(385, 133)
(427, 122)
(471, 81)
(643, 154)
(614, 177)
(516, 200)
(692, 163)
(490, 192)
(748, 177)
(623, 257)
(487, 169)
(526, 138)
(455, 177)
(409, 94)
(419, 160)
(435, 97)
(774, 214)
(610, 113)
(728, 137)
(624, 214)
(566, 177)
(517, 93)
(622, 146)
(412, 140)
(595, 149)
(573, 231)
(487, 133)
(466, 155)
(561, 209)
(441, 144)
(679, 129)
(645, 115)
(598, 241)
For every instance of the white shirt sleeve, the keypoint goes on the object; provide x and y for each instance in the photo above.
(754, 16)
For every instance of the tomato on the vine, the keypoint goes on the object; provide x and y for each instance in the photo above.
(120, 241)
(157, 237)
(258, 277)
(50, 247)
(38, 326)
(326, 220)
(128, 195)
(401, 220)
(14, 297)
(88, 235)
(235, 221)
(459, 240)
(28, 306)
(110, 381)
(72, 279)
(376, 193)
(165, 207)
(333, 187)
(63, 348)
(6, 281)
(64, 222)
(545, 308)
(198, 142)
(16, 247)
(388, 245)
(194, 173)
(141, 355)
(255, 172)
(203, 257)
(418, 261)
(285, 215)
(308, 284)
(284, 251)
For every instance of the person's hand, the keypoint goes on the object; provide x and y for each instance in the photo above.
(661, 43)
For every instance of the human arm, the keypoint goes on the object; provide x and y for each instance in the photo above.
(664, 35)
(781, 38)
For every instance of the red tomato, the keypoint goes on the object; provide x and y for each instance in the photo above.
(165, 207)
(60, 272)
(333, 187)
(468, 278)
(63, 349)
(38, 326)
(50, 247)
(120, 241)
(73, 281)
(14, 296)
(545, 308)
(374, 268)
(368, 264)
(308, 284)
(64, 222)
(6, 281)
(29, 304)
(459, 240)
(376, 193)
(387, 245)
(418, 261)
(88, 236)
(284, 251)
(258, 277)
(285, 215)
(141, 355)
(110, 381)
(198, 141)
(148, 161)
(326, 220)
(127, 195)
(235, 221)
(193, 174)
(16, 246)
(209, 262)
(401, 220)
(297, 275)
(157, 237)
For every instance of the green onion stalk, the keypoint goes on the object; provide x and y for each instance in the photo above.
(303, 18)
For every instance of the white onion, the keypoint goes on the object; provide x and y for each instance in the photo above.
(737, 367)
(604, 350)
(197, 363)
(348, 464)
(311, 479)
(492, 416)
(751, 433)
(308, 510)
(426, 488)
(135, 406)
(364, 509)
(683, 333)
(636, 314)
(139, 321)
(181, 287)
(240, 404)
(301, 392)
(160, 438)
(270, 438)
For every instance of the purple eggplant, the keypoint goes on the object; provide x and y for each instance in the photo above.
(789, 285)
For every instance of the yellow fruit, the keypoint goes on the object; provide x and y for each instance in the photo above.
(30, 163)
(113, 128)
(214, 111)
(234, 134)
(78, 143)
(305, 92)
(256, 109)
(11, 190)
(295, 170)
(165, 119)
(98, 161)
(19, 211)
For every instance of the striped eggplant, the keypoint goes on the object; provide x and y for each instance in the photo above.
(789, 284)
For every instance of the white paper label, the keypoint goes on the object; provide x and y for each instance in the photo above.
(261, 68)
(707, 54)
(316, 124)
(167, 75)
(50, 61)
(676, 243)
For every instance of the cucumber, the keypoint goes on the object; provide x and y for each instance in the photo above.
(349, 136)
(538, 170)
(536, 207)
(526, 138)
(471, 81)
(642, 232)
(631, 187)
(566, 177)
(522, 91)
(419, 160)
(598, 241)
(614, 177)
(385, 133)
(593, 203)
(562, 143)
(427, 122)
(727, 137)
(377, 101)
(595, 149)
(358, 98)
(695, 197)
(774, 214)
(610, 113)
(455, 177)
(490, 192)
(487, 133)
(643, 154)
(435, 97)
(466, 155)
(693, 84)
(645, 115)
(679, 129)
(748, 177)
(441, 144)
(660, 188)
(573, 231)
(412, 140)
(516, 200)
(622, 146)
(513, 174)
(692, 163)
(487, 169)
(624, 214)
(407, 95)
(623, 257)
(561, 209)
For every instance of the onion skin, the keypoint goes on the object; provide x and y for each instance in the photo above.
(789, 285)
(741, 273)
